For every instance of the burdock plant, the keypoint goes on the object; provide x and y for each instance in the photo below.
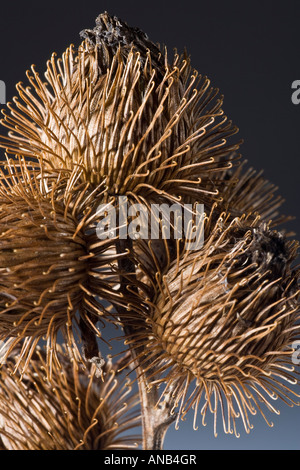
(72, 411)
(209, 328)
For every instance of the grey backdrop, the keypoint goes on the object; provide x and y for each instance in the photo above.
(250, 50)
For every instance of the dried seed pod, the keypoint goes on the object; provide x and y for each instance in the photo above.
(224, 322)
(248, 192)
(54, 270)
(113, 115)
(73, 411)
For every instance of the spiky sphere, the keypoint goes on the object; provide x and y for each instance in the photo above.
(224, 320)
(73, 411)
(140, 127)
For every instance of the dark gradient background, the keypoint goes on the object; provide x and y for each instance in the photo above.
(250, 50)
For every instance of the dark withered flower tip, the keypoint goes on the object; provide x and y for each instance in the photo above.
(134, 122)
(111, 34)
(75, 411)
(219, 333)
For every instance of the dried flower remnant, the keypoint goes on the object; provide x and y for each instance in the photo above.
(122, 122)
(116, 117)
(75, 411)
(224, 322)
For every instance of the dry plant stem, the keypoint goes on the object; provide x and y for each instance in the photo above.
(155, 419)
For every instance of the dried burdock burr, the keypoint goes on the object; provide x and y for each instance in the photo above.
(75, 411)
(221, 328)
(125, 116)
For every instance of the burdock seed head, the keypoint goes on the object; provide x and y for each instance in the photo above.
(116, 108)
(73, 411)
(220, 333)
